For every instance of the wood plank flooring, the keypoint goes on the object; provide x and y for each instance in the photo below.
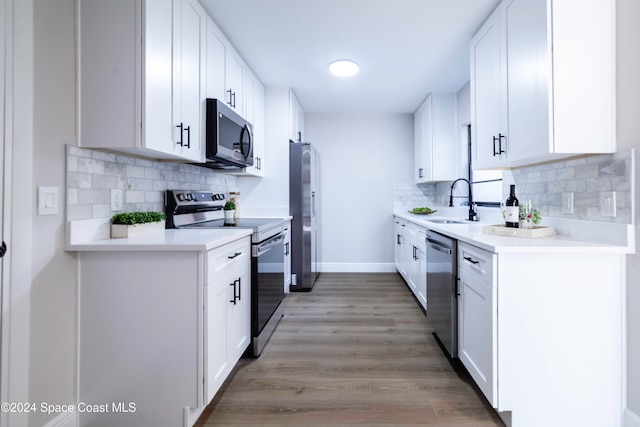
(356, 350)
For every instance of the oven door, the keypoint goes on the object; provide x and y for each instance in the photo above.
(267, 285)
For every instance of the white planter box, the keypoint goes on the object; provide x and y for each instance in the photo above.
(123, 230)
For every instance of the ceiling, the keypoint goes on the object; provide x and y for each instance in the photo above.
(406, 49)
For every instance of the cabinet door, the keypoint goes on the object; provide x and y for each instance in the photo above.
(296, 119)
(477, 332)
(486, 87)
(527, 78)
(216, 62)
(407, 260)
(189, 78)
(287, 259)
(418, 275)
(217, 364)
(422, 277)
(414, 269)
(157, 111)
(239, 312)
(419, 118)
(254, 109)
(434, 144)
(235, 82)
(398, 252)
(442, 153)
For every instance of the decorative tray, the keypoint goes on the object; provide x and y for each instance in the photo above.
(530, 233)
(422, 211)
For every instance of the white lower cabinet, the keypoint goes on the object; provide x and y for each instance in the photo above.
(227, 311)
(287, 256)
(158, 329)
(477, 317)
(418, 274)
(410, 257)
(528, 321)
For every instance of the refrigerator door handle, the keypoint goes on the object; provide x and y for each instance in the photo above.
(313, 203)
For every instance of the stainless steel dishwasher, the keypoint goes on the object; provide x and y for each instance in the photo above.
(442, 298)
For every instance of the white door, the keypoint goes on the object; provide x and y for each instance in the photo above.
(3, 138)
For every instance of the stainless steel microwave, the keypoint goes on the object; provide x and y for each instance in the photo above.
(229, 137)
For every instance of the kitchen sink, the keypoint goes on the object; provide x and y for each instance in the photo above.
(447, 221)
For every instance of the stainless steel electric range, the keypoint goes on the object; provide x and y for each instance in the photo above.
(204, 209)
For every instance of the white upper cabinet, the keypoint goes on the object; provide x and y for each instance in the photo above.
(434, 138)
(230, 80)
(485, 91)
(296, 119)
(131, 94)
(235, 81)
(189, 83)
(225, 70)
(543, 82)
(254, 107)
(216, 62)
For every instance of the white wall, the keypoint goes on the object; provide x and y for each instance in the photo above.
(52, 344)
(361, 157)
(628, 129)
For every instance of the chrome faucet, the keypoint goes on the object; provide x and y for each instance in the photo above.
(473, 213)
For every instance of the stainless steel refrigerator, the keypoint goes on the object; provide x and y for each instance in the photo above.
(304, 206)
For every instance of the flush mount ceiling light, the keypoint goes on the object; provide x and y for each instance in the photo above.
(343, 68)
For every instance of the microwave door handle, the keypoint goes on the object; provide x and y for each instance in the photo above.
(246, 130)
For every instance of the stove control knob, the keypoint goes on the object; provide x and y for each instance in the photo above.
(188, 196)
(181, 197)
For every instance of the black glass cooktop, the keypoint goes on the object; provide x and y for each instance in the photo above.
(255, 223)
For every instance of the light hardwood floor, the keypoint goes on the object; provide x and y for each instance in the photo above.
(356, 350)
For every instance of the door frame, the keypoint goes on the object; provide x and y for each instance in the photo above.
(16, 144)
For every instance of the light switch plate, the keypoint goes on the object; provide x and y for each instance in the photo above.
(47, 200)
(567, 203)
(608, 203)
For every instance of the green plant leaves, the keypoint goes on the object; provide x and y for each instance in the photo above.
(131, 218)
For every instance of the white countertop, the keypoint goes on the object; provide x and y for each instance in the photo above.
(571, 236)
(93, 235)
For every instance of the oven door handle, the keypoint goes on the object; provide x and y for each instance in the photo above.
(267, 245)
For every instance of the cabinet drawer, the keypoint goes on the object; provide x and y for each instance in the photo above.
(477, 262)
(227, 257)
(417, 231)
(400, 222)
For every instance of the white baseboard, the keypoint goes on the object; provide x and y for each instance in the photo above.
(631, 419)
(355, 267)
(64, 419)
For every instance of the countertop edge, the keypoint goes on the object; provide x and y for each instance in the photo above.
(472, 234)
(97, 239)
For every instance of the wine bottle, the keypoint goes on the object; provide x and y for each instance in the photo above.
(512, 209)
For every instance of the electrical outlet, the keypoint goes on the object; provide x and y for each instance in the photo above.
(567, 203)
(608, 203)
(116, 199)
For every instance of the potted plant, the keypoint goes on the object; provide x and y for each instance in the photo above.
(528, 215)
(128, 224)
(229, 212)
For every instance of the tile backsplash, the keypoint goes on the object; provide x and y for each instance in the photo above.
(91, 174)
(585, 176)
